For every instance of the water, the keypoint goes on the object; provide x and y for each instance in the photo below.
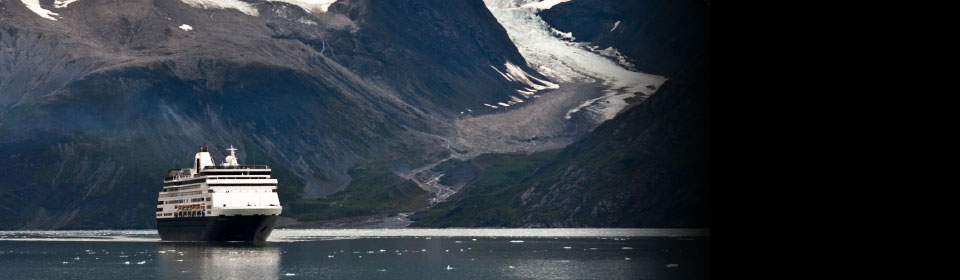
(362, 254)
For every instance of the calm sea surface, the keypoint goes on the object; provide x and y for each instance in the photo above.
(363, 254)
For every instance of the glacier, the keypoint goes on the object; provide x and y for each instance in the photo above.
(550, 52)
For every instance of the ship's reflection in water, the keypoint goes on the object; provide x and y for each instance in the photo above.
(218, 261)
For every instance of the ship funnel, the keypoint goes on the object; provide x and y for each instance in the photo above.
(203, 159)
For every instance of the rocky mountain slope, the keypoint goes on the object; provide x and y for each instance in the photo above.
(648, 167)
(100, 99)
(656, 36)
(363, 109)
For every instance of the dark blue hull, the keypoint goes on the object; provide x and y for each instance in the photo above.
(220, 228)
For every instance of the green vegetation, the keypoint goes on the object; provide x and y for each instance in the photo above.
(373, 190)
(493, 197)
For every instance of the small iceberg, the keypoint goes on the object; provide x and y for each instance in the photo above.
(448, 267)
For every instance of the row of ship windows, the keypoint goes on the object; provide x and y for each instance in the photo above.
(173, 189)
(180, 194)
(161, 202)
(216, 173)
(194, 181)
(185, 214)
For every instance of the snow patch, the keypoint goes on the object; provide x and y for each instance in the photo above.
(543, 5)
(34, 5)
(307, 21)
(60, 4)
(312, 6)
(238, 5)
(615, 25)
(564, 35)
(186, 27)
(531, 84)
(514, 73)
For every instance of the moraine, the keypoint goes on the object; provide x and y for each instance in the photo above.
(230, 202)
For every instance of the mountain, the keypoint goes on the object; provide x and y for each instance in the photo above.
(655, 36)
(469, 112)
(647, 167)
(98, 98)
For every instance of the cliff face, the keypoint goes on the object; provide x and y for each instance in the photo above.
(648, 167)
(97, 104)
(657, 36)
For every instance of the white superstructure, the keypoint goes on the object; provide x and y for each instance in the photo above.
(208, 190)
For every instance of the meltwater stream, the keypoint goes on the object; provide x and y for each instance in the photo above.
(547, 51)
(363, 254)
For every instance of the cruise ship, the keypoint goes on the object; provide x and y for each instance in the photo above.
(229, 202)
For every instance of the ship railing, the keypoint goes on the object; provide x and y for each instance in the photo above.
(238, 167)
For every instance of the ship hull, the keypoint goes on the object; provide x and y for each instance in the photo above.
(218, 228)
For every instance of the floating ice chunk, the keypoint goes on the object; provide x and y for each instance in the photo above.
(627, 248)
(126, 262)
(615, 25)
(329, 256)
(673, 265)
(34, 5)
(516, 241)
(289, 274)
(626, 259)
(448, 267)
(65, 262)
(473, 239)
(458, 241)
(382, 250)
(179, 260)
(512, 266)
(186, 27)
(503, 104)
(567, 247)
(423, 250)
(382, 270)
(141, 262)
